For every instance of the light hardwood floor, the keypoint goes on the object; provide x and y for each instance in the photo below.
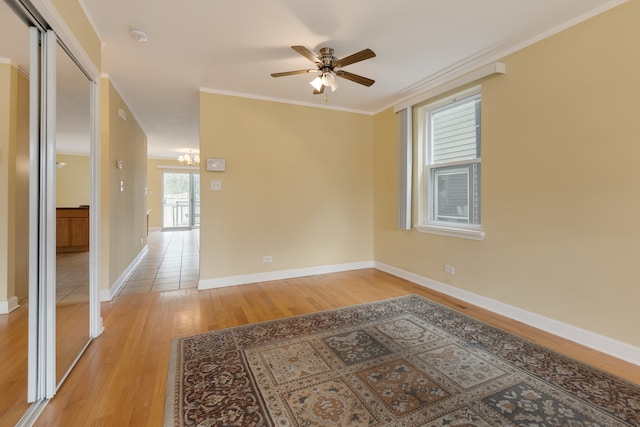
(72, 334)
(13, 365)
(120, 381)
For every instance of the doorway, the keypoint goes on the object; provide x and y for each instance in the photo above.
(180, 200)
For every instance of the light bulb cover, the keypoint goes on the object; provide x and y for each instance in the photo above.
(316, 83)
(329, 80)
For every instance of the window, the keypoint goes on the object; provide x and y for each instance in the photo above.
(451, 135)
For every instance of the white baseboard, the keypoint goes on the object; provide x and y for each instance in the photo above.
(601, 343)
(221, 282)
(109, 294)
(9, 305)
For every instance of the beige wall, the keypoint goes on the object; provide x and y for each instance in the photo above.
(21, 246)
(73, 186)
(559, 184)
(154, 183)
(14, 183)
(8, 129)
(123, 212)
(73, 15)
(298, 186)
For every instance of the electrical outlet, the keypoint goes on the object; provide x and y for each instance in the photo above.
(449, 269)
(267, 258)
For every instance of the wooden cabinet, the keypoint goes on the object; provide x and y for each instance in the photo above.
(72, 229)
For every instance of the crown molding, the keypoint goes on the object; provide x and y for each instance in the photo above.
(283, 101)
(481, 59)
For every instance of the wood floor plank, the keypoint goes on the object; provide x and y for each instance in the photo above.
(13, 365)
(121, 379)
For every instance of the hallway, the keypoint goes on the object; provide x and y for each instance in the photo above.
(171, 263)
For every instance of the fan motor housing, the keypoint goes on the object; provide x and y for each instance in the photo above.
(327, 58)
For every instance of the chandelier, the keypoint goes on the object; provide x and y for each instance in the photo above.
(189, 159)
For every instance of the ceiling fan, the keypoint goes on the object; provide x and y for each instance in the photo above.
(327, 67)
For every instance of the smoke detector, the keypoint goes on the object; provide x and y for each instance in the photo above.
(138, 35)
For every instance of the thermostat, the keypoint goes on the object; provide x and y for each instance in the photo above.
(216, 165)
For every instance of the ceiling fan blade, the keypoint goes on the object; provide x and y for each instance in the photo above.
(291, 73)
(307, 54)
(318, 92)
(356, 57)
(355, 78)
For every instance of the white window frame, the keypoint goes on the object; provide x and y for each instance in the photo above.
(426, 208)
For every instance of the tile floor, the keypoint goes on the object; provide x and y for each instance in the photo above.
(172, 262)
(72, 277)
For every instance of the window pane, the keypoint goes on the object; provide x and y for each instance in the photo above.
(455, 194)
(456, 131)
(452, 136)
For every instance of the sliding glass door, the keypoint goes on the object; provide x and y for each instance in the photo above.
(181, 200)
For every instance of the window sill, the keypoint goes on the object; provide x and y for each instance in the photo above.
(463, 233)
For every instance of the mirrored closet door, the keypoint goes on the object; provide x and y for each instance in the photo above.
(73, 200)
(49, 306)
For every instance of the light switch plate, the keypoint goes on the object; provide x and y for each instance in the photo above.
(216, 165)
(216, 185)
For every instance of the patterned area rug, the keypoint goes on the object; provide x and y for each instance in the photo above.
(401, 362)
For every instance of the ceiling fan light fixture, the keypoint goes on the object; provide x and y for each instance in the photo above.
(327, 65)
(316, 83)
(329, 80)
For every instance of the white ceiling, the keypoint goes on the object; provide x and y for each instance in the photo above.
(232, 46)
